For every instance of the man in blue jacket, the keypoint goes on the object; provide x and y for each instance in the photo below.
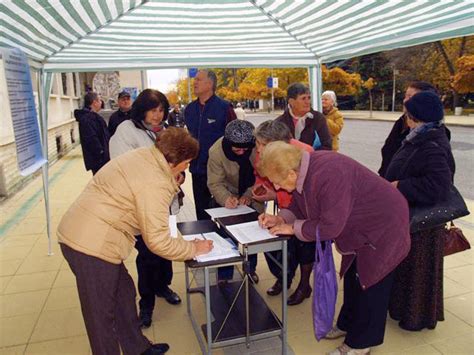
(93, 133)
(206, 118)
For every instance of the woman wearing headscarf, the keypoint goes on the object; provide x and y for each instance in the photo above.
(423, 171)
(128, 196)
(334, 118)
(365, 216)
(155, 273)
(308, 126)
(230, 177)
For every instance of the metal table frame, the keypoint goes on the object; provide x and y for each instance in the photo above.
(246, 250)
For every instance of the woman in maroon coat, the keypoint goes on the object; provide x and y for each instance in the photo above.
(365, 216)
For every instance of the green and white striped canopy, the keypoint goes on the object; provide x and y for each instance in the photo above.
(81, 35)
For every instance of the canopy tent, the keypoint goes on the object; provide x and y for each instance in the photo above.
(83, 35)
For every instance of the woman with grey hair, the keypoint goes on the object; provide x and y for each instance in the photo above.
(334, 118)
(310, 127)
(267, 132)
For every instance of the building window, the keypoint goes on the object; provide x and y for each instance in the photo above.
(75, 84)
(64, 83)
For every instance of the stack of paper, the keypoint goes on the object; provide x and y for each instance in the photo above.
(249, 232)
(222, 248)
(225, 212)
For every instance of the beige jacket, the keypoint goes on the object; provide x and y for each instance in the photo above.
(130, 195)
(223, 176)
(335, 123)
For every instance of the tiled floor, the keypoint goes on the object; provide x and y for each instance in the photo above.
(40, 313)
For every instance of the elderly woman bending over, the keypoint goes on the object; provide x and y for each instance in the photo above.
(365, 216)
(129, 195)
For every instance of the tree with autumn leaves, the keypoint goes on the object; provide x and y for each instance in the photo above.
(251, 83)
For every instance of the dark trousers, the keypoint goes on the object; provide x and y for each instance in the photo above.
(364, 312)
(276, 270)
(299, 253)
(154, 274)
(202, 196)
(107, 296)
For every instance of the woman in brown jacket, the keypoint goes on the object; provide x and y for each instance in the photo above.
(128, 196)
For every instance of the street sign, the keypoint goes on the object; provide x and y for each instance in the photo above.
(193, 72)
(272, 82)
(269, 82)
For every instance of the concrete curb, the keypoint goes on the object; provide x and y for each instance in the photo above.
(457, 124)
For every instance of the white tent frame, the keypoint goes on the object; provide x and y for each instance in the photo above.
(272, 11)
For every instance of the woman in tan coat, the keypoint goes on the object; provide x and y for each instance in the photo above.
(130, 195)
(334, 118)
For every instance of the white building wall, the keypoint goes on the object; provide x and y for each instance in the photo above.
(62, 129)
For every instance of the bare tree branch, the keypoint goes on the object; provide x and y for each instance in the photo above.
(441, 49)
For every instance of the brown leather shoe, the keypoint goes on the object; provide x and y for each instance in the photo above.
(299, 296)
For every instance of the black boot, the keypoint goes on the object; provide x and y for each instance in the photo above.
(145, 318)
(169, 295)
(303, 290)
(157, 349)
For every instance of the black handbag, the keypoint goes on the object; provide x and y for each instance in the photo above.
(427, 217)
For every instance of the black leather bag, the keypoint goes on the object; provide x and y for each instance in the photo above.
(427, 217)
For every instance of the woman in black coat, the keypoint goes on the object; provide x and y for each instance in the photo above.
(423, 170)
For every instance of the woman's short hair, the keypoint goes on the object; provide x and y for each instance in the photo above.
(89, 98)
(296, 89)
(332, 95)
(177, 145)
(278, 159)
(272, 131)
(422, 86)
(146, 101)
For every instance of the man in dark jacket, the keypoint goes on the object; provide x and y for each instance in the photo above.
(93, 133)
(400, 129)
(122, 114)
(206, 119)
(174, 118)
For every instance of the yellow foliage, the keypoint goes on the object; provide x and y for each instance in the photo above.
(463, 80)
(172, 97)
(369, 84)
(340, 81)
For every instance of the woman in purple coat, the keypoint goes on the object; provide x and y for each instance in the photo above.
(365, 216)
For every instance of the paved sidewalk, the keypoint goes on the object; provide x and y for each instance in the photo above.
(40, 312)
(451, 120)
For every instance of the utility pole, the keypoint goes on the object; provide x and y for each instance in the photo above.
(189, 88)
(273, 98)
(395, 72)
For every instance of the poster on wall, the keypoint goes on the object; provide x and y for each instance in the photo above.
(23, 111)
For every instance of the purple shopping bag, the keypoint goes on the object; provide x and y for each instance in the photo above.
(325, 289)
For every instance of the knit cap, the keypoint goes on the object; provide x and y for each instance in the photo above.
(240, 133)
(425, 106)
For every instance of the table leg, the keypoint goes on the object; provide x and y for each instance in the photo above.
(284, 313)
(188, 286)
(207, 287)
(247, 302)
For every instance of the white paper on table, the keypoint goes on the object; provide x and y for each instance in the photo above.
(224, 212)
(249, 232)
(173, 224)
(191, 237)
(222, 248)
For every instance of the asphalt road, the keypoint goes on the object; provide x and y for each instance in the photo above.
(362, 140)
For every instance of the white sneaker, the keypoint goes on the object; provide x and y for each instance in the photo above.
(335, 333)
(347, 350)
